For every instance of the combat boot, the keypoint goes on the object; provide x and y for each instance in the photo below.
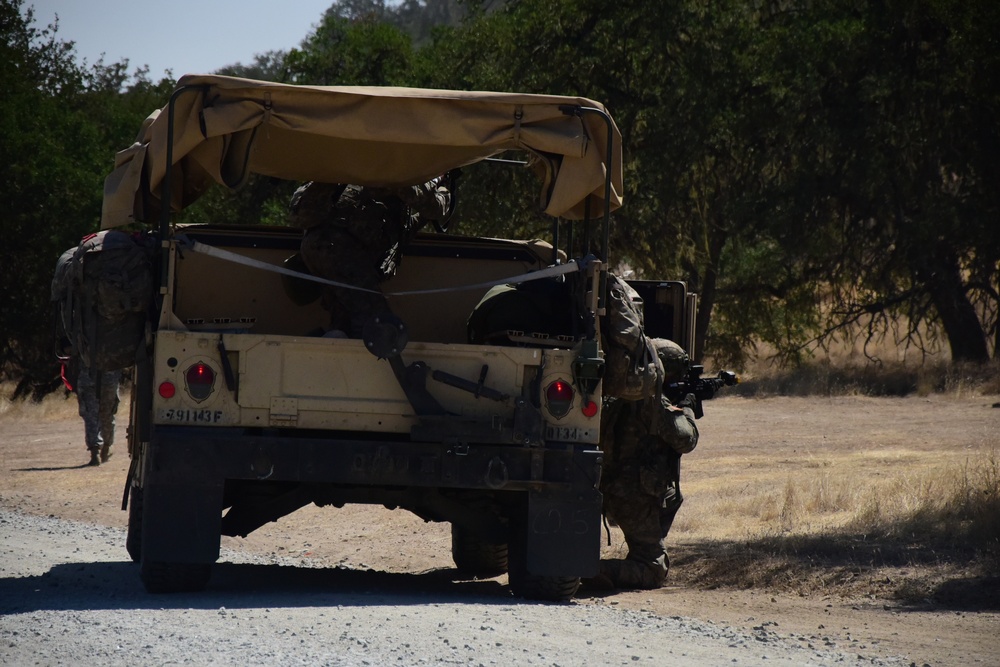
(95, 457)
(632, 574)
(106, 453)
(599, 582)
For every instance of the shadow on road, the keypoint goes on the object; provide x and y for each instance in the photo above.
(919, 574)
(969, 593)
(52, 468)
(116, 585)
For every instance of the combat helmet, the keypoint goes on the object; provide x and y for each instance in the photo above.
(674, 359)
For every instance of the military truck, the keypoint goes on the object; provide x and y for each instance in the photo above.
(243, 411)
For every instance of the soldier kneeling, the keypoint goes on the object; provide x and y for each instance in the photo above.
(643, 441)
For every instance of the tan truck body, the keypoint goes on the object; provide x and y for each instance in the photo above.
(245, 409)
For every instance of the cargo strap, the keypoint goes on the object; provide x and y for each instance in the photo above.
(186, 243)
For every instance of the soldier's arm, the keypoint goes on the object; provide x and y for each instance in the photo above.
(677, 426)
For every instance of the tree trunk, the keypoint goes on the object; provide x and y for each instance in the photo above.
(961, 324)
(996, 340)
(706, 299)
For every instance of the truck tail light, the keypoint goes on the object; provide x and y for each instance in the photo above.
(589, 409)
(559, 397)
(167, 389)
(200, 380)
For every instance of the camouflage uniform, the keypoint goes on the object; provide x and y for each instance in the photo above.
(96, 391)
(97, 395)
(644, 441)
(355, 235)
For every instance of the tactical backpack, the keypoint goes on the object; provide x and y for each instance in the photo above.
(103, 290)
(632, 371)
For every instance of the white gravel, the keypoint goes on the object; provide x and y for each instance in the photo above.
(70, 596)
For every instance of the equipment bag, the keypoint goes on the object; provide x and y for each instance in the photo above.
(104, 291)
(632, 370)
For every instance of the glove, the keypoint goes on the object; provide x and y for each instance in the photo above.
(689, 401)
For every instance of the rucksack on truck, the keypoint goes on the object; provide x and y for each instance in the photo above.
(632, 371)
(103, 290)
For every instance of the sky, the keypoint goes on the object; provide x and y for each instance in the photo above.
(185, 36)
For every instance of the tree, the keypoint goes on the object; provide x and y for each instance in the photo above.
(60, 125)
(419, 18)
(703, 153)
(778, 155)
(812, 169)
(908, 115)
(352, 45)
(267, 66)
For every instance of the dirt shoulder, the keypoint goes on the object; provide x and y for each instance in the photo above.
(42, 467)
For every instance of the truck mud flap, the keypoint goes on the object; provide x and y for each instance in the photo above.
(181, 524)
(182, 504)
(562, 534)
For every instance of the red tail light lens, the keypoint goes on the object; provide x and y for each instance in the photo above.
(200, 374)
(560, 390)
(589, 409)
(167, 389)
(559, 397)
(200, 381)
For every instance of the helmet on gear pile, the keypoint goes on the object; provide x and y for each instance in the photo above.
(674, 359)
(302, 292)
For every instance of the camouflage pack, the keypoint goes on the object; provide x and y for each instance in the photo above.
(632, 369)
(103, 290)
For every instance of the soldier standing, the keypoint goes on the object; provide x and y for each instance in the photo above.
(97, 395)
(644, 441)
(96, 390)
(355, 235)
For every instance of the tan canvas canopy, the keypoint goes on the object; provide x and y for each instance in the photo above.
(226, 128)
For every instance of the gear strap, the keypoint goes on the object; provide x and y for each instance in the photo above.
(186, 243)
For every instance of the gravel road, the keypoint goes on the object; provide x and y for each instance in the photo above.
(70, 596)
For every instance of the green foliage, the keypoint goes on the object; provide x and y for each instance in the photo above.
(354, 44)
(705, 157)
(779, 156)
(896, 136)
(815, 171)
(357, 49)
(59, 127)
(260, 201)
(420, 18)
(267, 66)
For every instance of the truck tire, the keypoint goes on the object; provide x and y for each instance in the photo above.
(533, 586)
(474, 556)
(133, 539)
(537, 587)
(174, 577)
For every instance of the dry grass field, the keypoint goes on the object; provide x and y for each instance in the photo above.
(874, 496)
(891, 488)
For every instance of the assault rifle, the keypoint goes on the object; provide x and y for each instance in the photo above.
(703, 389)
